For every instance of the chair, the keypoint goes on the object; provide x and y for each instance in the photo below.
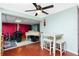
(49, 43)
(55, 42)
(60, 43)
(17, 36)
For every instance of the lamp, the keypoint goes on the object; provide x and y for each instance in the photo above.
(17, 21)
(44, 22)
(38, 11)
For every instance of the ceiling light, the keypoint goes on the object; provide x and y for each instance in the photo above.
(17, 21)
(38, 11)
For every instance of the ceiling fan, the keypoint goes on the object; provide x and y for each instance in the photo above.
(39, 8)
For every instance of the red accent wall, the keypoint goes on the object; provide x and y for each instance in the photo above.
(8, 28)
(24, 28)
(11, 28)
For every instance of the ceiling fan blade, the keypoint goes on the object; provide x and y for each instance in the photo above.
(36, 14)
(35, 5)
(29, 10)
(48, 7)
(44, 12)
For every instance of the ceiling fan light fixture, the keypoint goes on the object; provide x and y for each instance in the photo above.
(17, 21)
(38, 11)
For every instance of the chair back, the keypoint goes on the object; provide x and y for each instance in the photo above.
(59, 36)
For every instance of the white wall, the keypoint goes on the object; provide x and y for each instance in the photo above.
(64, 22)
(0, 24)
(0, 31)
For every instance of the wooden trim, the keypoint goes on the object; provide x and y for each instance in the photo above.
(1, 45)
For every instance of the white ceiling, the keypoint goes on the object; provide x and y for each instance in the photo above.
(11, 19)
(29, 6)
(22, 7)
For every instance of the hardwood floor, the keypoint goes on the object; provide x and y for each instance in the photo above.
(31, 50)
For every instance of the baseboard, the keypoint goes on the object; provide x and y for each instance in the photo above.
(73, 52)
